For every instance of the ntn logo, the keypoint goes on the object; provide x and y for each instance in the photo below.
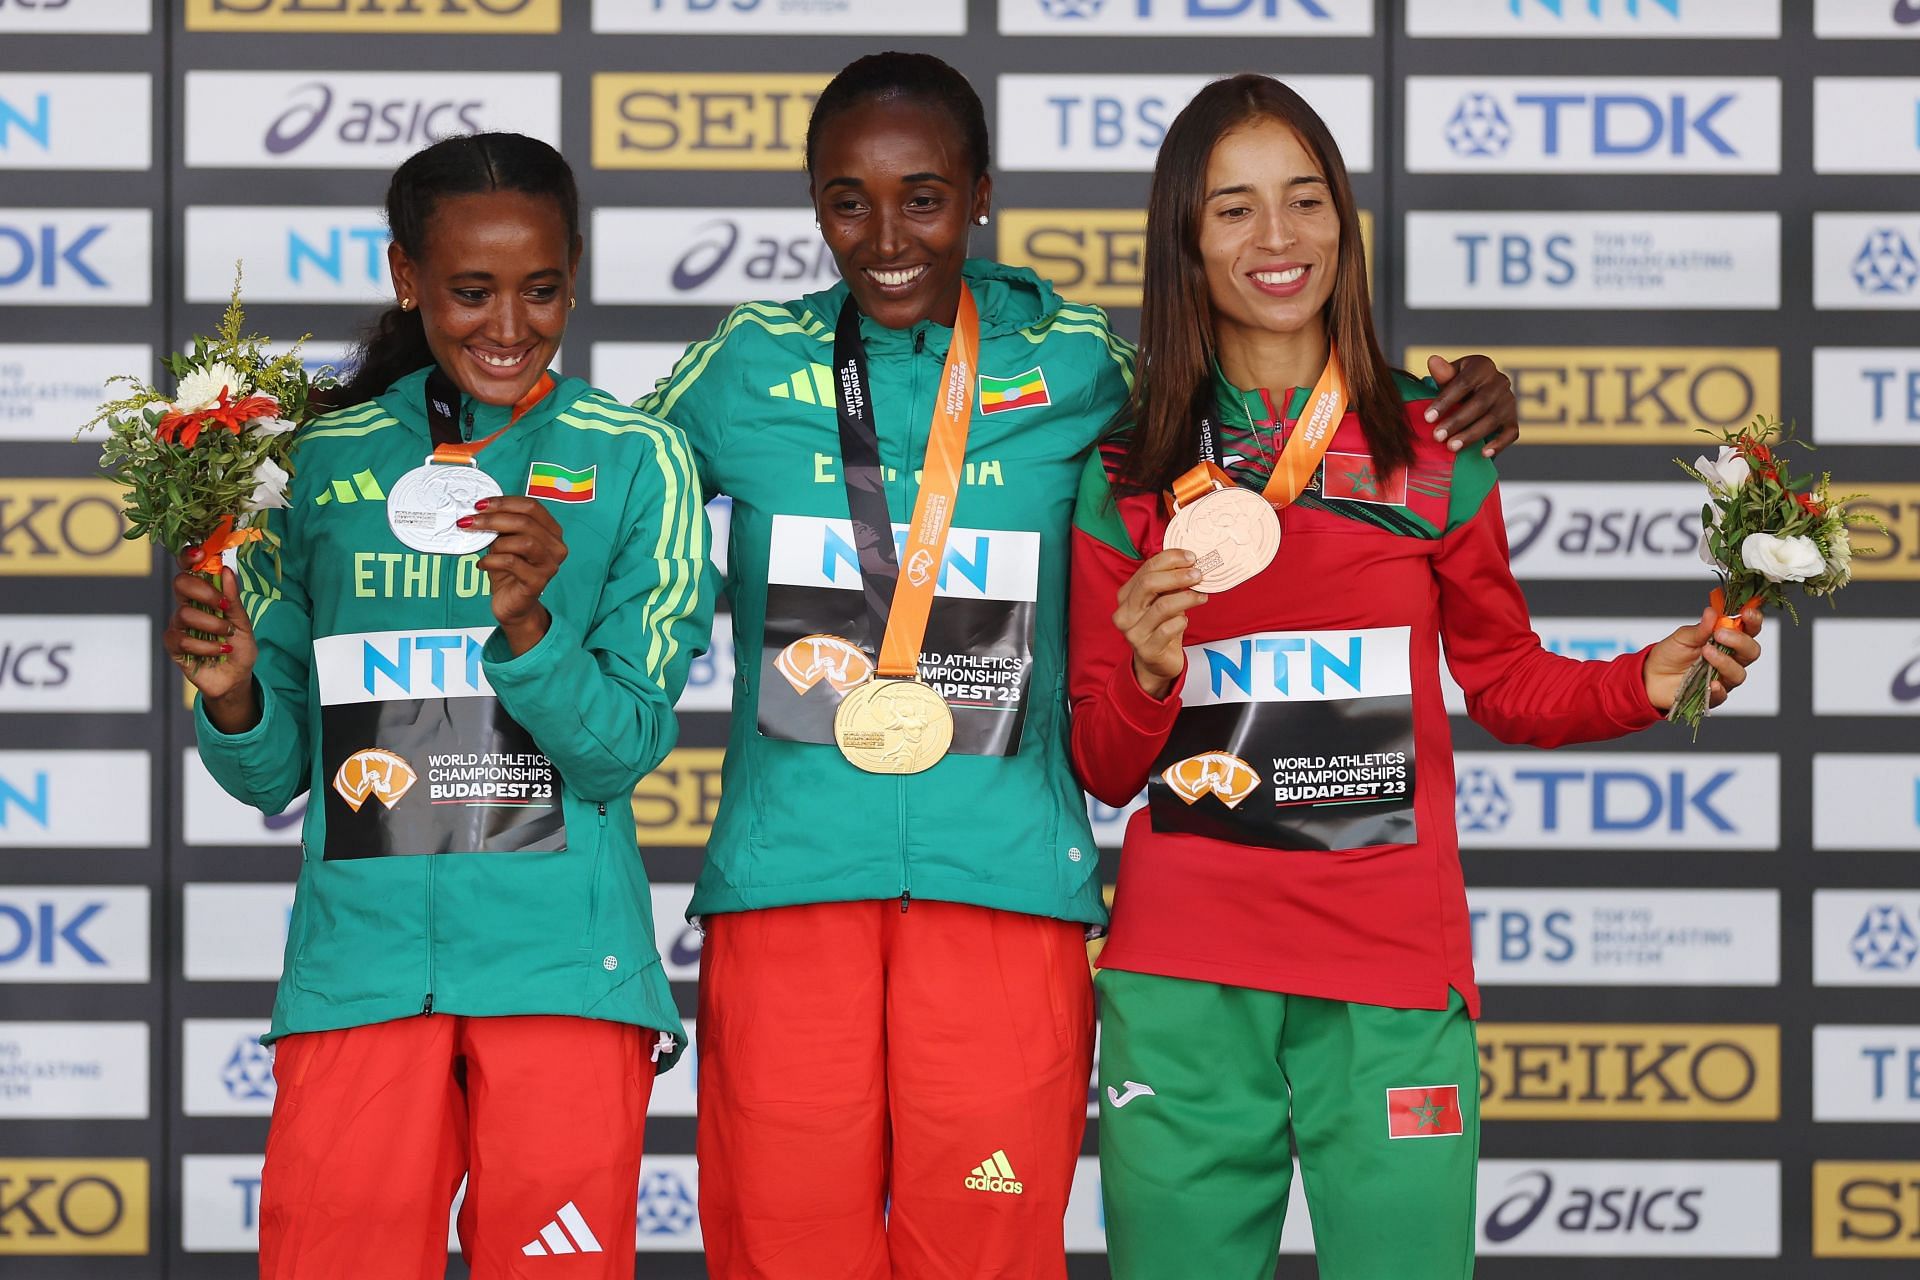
(1265, 662)
(359, 251)
(36, 808)
(430, 658)
(967, 557)
(38, 128)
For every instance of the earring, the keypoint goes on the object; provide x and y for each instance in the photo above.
(982, 219)
(573, 302)
(406, 304)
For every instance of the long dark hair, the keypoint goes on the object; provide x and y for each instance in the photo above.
(395, 343)
(918, 77)
(1175, 384)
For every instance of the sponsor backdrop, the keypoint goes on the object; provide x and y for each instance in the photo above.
(1702, 1045)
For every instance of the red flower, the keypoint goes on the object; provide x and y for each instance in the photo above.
(1809, 505)
(185, 428)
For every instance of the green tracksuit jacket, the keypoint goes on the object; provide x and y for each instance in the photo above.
(1000, 822)
(533, 899)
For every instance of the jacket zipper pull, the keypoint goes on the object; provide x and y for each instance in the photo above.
(919, 340)
(427, 1006)
(603, 814)
(467, 434)
(906, 896)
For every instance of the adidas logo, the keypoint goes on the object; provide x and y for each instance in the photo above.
(362, 485)
(811, 385)
(995, 1174)
(567, 1233)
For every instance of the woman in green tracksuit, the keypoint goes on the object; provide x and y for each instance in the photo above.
(470, 985)
(896, 1021)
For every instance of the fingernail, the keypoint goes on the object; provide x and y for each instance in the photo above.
(1439, 434)
(464, 522)
(482, 504)
(1454, 445)
(1486, 453)
(1433, 415)
(226, 648)
(223, 602)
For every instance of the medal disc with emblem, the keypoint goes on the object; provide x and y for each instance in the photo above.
(1233, 534)
(425, 503)
(893, 726)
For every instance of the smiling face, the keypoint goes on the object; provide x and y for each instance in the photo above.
(894, 189)
(493, 285)
(1269, 234)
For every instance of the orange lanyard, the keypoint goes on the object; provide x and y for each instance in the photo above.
(1306, 446)
(467, 450)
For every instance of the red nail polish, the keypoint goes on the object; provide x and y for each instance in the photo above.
(226, 648)
(482, 504)
(464, 522)
(223, 602)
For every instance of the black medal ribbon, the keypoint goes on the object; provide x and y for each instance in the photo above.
(443, 408)
(860, 470)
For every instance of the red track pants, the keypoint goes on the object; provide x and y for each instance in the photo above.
(374, 1126)
(889, 1094)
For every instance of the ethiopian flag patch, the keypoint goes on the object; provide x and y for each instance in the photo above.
(1022, 391)
(556, 483)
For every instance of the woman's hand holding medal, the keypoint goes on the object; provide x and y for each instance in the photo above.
(527, 551)
(1153, 617)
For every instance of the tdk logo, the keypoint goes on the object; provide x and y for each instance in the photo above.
(50, 255)
(424, 666)
(1615, 799)
(1147, 17)
(44, 934)
(1886, 264)
(1598, 800)
(1147, 10)
(1613, 124)
(1885, 940)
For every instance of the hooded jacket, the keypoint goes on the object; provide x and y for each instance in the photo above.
(496, 872)
(999, 822)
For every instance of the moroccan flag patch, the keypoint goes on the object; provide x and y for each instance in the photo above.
(1424, 1111)
(1351, 478)
(558, 484)
(1023, 391)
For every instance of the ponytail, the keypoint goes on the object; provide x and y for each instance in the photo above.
(390, 347)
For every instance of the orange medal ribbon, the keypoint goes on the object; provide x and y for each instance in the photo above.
(466, 451)
(926, 543)
(1306, 447)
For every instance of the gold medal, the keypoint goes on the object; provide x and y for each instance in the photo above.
(893, 726)
(1233, 534)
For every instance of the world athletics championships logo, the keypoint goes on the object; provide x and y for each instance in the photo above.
(1885, 941)
(1886, 263)
(1478, 127)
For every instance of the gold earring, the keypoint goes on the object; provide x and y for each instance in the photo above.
(406, 304)
(573, 302)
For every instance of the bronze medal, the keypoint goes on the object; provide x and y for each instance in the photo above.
(1233, 534)
(893, 726)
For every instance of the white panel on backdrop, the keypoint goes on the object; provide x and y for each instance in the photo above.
(1592, 124)
(225, 1070)
(1866, 1073)
(1866, 19)
(210, 816)
(73, 1070)
(1110, 824)
(1866, 801)
(1605, 19)
(669, 1215)
(220, 1204)
(356, 120)
(1866, 937)
(674, 1093)
(1630, 1208)
(711, 676)
(1617, 800)
(311, 253)
(76, 662)
(75, 799)
(1603, 261)
(48, 389)
(1866, 261)
(1604, 639)
(1866, 124)
(1866, 395)
(707, 255)
(630, 370)
(76, 120)
(59, 17)
(784, 17)
(67, 933)
(1866, 666)
(235, 932)
(1600, 530)
(1625, 937)
(678, 940)
(1186, 17)
(76, 257)
(1055, 123)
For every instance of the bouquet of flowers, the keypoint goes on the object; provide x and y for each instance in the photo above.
(200, 465)
(1765, 534)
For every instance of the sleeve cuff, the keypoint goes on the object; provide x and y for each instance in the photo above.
(208, 735)
(1141, 711)
(504, 667)
(1629, 705)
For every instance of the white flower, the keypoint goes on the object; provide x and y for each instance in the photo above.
(201, 388)
(1726, 474)
(1781, 559)
(1706, 539)
(269, 486)
(270, 426)
(1839, 558)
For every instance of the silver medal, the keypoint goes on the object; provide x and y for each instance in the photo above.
(424, 503)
